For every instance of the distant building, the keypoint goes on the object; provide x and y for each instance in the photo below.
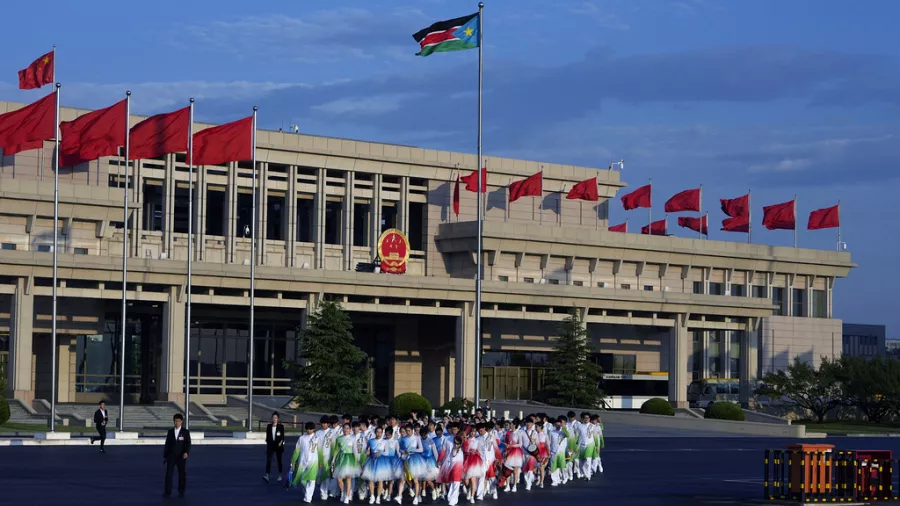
(864, 340)
(892, 347)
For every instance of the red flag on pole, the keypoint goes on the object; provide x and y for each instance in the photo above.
(472, 181)
(95, 134)
(160, 135)
(695, 224)
(830, 217)
(780, 216)
(28, 127)
(231, 142)
(736, 224)
(655, 228)
(736, 207)
(39, 73)
(638, 198)
(622, 227)
(585, 190)
(532, 186)
(456, 196)
(688, 200)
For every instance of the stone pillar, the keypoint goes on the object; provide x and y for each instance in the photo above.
(231, 196)
(169, 205)
(65, 368)
(348, 221)
(171, 387)
(679, 348)
(749, 359)
(137, 188)
(290, 250)
(376, 215)
(19, 370)
(319, 221)
(262, 211)
(200, 214)
(403, 211)
(465, 352)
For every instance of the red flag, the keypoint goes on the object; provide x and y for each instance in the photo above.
(830, 217)
(736, 224)
(28, 127)
(532, 186)
(585, 190)
(622, 227)
(39, 73)
(694, 224)
(655, 228)
(472, 181)
(95, 134)
(736, 207)
(779, 216)
(456, 196)
(688, 200)
(637, 198)
(160, 135)
(231, 142)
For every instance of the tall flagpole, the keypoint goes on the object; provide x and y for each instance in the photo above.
(480, 224)
(252, 284)
(700, 211)
(650, 211)
(124, 317)
(187, 313)
(54, 366)
(749, 218)
(839, 226)
(795, 220)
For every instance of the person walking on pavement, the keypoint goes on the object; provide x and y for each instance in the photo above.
(175, 455)
(101, 418)
(274, 445)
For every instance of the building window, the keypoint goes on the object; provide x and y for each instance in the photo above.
(417, 226)
(215, 212)
(820, 304)
(624, 364)
(244, 211)
(717, 289)
(180, 223)
(625, 286)
(778, 300)
(8, 246)
(333, 210)
(648, 288)
(601, 284)
(553, 281)
(153, 205)
(529, 280)
(695, 359)
(275, 218)
(734, 358)
(759, 292)
(388, 216)
(45, 248)
(578, 283)
(698, 287)
(799, 302)
(304, 220)
(738, 291)
(362, 219)
(81, 251)
(503, 278)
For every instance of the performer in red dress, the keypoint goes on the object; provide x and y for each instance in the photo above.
(515, 457)
(473, 466)
(543, 454)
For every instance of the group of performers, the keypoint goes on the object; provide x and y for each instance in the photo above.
(377, 460)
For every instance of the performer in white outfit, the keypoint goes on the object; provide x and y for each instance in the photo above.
(306, 458)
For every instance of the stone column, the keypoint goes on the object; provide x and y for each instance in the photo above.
(465, 352)
(403, 211)
(172, 372)
(679, 348)
(200, 214)
(348, 221)
(319, 221)
(290, 250)
(749, 359)
(137, 188)
(169, 205)
(231, 196)
(262, 211)
(376, 215)
(19, 370)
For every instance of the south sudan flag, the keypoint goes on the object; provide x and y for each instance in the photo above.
(453, 35)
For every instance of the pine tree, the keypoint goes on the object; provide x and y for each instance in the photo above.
(335, 373)
(572, 378)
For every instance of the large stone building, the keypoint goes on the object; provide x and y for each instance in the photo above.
(661, 307)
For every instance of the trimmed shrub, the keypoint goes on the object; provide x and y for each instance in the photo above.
(657, 406)
(456, 405)
(4, 410)
(724, 411)
(406, 403)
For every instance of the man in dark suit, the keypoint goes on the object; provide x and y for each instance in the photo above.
(175, 455)
(101, 417)
(274, 445)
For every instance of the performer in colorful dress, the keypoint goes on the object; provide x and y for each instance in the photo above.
(394, 464)
(599, 442)
(572, 440)
(488, 448)
(559, 449)
(414, 465)
(377, 469)
(514, 458)
(528, 438)
(452, 471)
(585, 446)
(305, 462)
(430, 456)
(326, 438)
(345, 463)
(543, 453)
(573, 466)
(473, 466)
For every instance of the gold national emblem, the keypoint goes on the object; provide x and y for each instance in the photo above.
(393, 250)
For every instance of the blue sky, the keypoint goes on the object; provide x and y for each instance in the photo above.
(778, 97)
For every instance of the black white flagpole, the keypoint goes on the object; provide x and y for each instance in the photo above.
(190, 262)
(53, 367)
(749, 217)
(839, 226)
(252, 285)
(124, 317)
(795, 220)
(480, 224)
(700, 211)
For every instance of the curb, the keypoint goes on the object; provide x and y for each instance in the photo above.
(126, 442)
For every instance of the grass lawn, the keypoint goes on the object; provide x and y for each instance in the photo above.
(843, 428)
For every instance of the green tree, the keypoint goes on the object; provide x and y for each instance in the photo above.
(572, 378)
(871, 386)
(804, 386)
(334, 375)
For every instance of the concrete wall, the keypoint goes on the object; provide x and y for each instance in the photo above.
(782, 338)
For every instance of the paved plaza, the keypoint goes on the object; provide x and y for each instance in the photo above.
(640, 471)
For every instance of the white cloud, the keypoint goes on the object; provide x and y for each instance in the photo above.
(603, 17)
(786, 165)
(377, 104)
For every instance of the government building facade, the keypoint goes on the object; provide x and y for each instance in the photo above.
(660, 311)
